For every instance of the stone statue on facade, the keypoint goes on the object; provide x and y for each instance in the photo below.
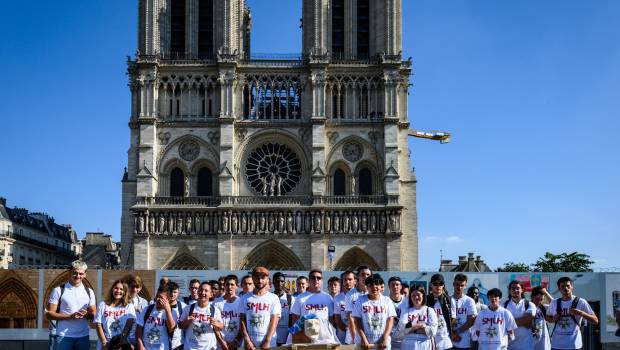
(289, 222)
(281, 223)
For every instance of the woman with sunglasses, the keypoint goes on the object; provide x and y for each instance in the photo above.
(115, 315)
(418, 323)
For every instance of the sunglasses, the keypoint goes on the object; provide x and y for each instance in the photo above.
(437, 283)
(316, 278)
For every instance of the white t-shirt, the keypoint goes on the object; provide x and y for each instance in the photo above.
(320, 304)
(493, 327)
(424, 315)
(349, 303)
(200, 335)
(374, 315)
(177, 335)
(258, 311)
(139, 305)
(465, 307)
(230, 318)
(442, 339)
(398, 305)
(73, 300)
(154, 330)
(541, 337)
(113, 319)
(340, 310)
(282, 330)
(567, 334)
(523, 335)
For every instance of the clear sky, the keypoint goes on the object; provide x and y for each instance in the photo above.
(529, 89)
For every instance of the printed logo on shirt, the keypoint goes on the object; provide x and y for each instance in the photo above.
(369, 309)
(256, 307)
(461, 311)
(114, 313)
(157, 321)
(257, 321)
(417, 318)
(315, 307)
(492, 320)
(201, 317)
(230, 314)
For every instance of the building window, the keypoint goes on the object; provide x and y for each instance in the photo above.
(177, 183)
(177, 28)
(340, 183)
(365, 182)
(205, 182)
(205, 29)
(338, 28)
(363, 29)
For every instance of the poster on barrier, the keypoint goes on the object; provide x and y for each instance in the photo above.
(612, 303)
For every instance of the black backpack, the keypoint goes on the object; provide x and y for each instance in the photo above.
(444, 301)
(54, 323)
(558, 309)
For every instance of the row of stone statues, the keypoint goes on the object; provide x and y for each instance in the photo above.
(252, 222)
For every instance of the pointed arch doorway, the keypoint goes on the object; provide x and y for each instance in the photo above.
(272, 255)
(355, 257)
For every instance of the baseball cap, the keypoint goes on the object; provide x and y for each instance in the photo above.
(259, 270)
(437, 278)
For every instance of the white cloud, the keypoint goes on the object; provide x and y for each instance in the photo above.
(446, 239)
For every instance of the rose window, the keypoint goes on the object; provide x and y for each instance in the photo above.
(273, 169)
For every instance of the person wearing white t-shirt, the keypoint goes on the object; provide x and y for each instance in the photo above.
(524, 313)
(340, 315)
(286, 303)
(417, 325)
(135, 286)
(155, 323)
(177, 307)
(247, 285)
(374, 315)
(229, 308)
(398, 299)
(540, 330)
(445, 309)
(333, 286)
(495, 325)
(313, 300)
(260, 313)
(201, 321)
(465, 314)
(194, 286)
(363, 272)
(568, 317)
(69, 308)
(115, 315)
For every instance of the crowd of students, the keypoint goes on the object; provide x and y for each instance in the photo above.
(355, 310)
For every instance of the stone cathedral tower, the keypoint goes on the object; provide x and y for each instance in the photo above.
(238, 160)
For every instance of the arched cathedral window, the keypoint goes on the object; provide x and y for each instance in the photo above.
(205, 182)
(365, 182)
(363, 29)
(338, 28)
(177, 183)
(205, 29)
(340, 183)
(177, 28)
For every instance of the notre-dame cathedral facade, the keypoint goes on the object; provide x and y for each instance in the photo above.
(239, 160)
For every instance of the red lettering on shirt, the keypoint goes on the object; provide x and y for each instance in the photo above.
(157, 321)
(417, 318)
(114, 313)
(492, 320)
(229, 314)
(257, 307)
(369, 309)
(201, 317)
(461, 311)
(315, 307)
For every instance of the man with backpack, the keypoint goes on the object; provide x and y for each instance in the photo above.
(445, 309)
(523, 312)
(201, 321)
(177, 307)
(69, 308)
(156, 323)
(568, 312)
(286, 302)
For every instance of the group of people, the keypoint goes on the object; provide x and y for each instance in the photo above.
(355, 310)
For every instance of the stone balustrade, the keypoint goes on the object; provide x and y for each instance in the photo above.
(265, 220)
(224, 201)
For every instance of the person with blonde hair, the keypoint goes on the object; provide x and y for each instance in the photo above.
(115, 315)
(69, 307)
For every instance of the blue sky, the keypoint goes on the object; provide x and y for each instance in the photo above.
(530, 90)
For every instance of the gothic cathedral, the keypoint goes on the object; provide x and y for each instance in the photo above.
(288, 161)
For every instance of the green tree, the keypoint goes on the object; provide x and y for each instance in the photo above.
(513, 267)
(573, 262)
